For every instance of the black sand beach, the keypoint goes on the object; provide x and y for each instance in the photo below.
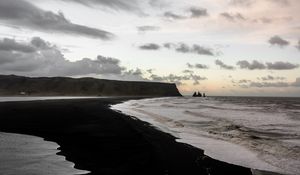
(103, 141)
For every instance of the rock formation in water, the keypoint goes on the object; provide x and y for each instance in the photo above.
(195, 94)
(198, 94)
(11, 85)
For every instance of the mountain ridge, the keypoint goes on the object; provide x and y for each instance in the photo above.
(13, 85)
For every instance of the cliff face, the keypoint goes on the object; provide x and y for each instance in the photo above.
(11, 85)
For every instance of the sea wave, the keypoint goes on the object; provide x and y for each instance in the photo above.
(259, 133)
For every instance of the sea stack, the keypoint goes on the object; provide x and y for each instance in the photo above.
(198, 94)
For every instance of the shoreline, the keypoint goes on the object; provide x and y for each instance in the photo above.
(103, 141)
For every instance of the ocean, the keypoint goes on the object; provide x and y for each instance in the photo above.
(262, 133)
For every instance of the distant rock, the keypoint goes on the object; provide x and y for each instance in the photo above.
(198, 94)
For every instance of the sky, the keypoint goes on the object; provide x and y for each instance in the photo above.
(220, 47)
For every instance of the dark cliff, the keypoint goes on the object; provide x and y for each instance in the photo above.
(11, 85)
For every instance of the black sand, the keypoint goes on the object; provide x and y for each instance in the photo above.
(103, 141)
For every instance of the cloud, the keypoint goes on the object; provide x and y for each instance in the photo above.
(132, 75)
(46, 59)
(244, 81)
(190, 65)
(197, 79)
(23, 13)
(233, 17)
(136, 72)
(278, 84)
(296, 83)
(181, 48)
(200, 50)
(150, 46)
(192, 12)
(144, 29)
(268, 84)
(201, 66)
(169, 78)
(224, 66)
(298, 45)
(248, 3)
(173, 16)
(197, 12)
(266, 20)
(150, 71)
(279, 65)
(251, 66)
(280, 2)
(132, 5)
(40, 43)
(186, 71)
(271, 78)
(195, 48)
(11, 45)
(276, 40)
(245, 3)
(178, 79)
(197, 66)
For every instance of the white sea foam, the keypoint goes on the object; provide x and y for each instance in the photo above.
(27, 155)
(259, 133)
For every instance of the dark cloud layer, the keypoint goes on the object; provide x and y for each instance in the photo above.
(11, 45)
(276, 40)
(23, 13)
(279, 65)
(131, 5)
(223, 65)
(45, 59)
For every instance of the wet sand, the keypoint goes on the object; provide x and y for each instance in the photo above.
(104, 141)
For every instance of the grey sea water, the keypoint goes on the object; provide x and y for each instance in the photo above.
(261, 133)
